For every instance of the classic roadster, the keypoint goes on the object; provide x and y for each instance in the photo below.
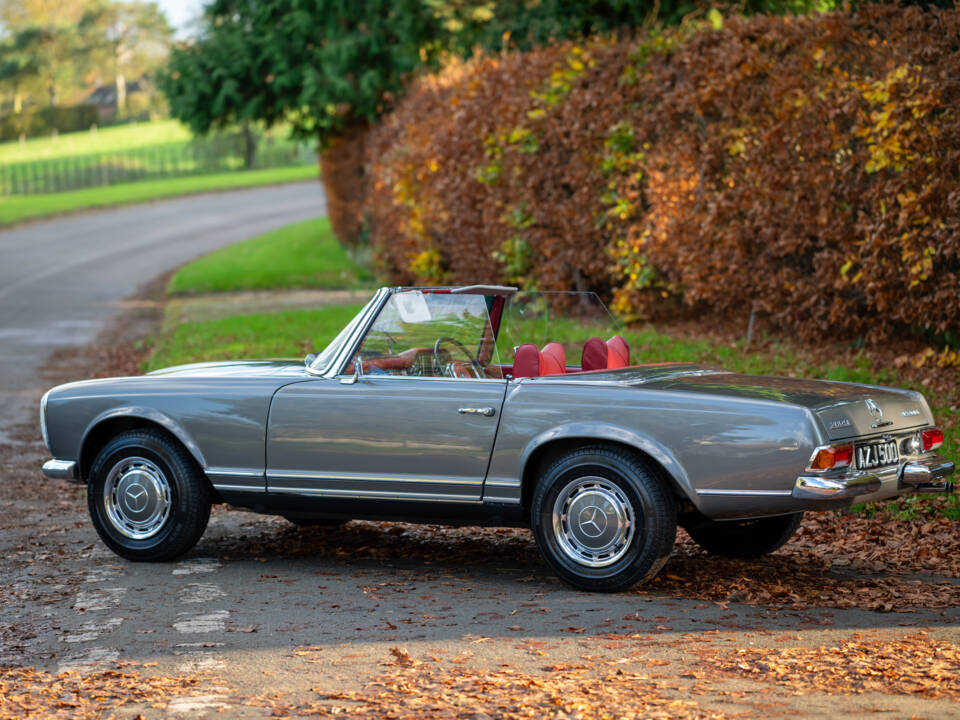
(455, 405)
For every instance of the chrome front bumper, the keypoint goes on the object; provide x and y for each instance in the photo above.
(921, 475)
(60, 469)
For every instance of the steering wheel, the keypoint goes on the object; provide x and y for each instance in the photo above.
(473, 360)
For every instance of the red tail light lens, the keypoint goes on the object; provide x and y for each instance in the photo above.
(830, 457)
(931, 439)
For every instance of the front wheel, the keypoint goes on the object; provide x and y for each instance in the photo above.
(603, 520)
(148, 499)
(744, 538)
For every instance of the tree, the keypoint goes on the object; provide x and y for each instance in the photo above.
(128, 37)
(328, 67)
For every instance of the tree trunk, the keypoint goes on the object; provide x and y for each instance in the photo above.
(343, 169)
(249, 145)
(121, 95)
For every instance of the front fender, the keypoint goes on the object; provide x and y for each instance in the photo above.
(612, 433)
(140, 412)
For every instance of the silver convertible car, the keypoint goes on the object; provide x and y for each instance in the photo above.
(471, 405)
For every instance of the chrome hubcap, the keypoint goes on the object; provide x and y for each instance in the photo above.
(593, 521)
(136, 498)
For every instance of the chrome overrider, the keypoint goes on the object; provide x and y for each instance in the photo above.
(60, 470)
(919, 475)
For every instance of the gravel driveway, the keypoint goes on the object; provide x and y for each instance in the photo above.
(385, 620)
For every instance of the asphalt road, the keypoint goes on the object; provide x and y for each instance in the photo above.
(261, 616)
(63, 280)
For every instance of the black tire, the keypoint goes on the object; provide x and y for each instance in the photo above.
(147, 463)
(744, 538)
(314, 522)
(613, 478)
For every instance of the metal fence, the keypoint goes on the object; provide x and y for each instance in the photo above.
(198, 157)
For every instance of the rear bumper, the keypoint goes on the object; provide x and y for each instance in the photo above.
(928, 474)
(60, 469)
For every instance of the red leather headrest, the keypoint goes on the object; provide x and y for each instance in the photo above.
(554, 359)
(619, 352)
(594, 355)
(527, 361)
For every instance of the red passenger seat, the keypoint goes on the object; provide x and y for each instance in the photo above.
(618, 354)
(554, 359)
(527, 361)
(594, 355)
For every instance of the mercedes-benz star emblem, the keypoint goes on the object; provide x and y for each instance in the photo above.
(136, 498)
(593, 521)
(875, 410)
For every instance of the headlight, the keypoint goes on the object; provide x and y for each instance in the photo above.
(43, 419)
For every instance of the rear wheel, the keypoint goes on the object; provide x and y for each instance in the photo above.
(147, 498)
(602, 519)
(744, 538)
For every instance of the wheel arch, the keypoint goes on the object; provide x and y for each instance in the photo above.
(111, 423)
(548, 446)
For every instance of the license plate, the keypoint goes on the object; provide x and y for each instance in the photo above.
(876, 454)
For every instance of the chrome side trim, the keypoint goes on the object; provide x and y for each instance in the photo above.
(233, 472)
(372, 494)
(501, 500)
(753, 493)
(60, 470)
(238, 488)
(305, 475)
(502, 483)
(812, 487)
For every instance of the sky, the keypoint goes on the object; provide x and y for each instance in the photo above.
(180, 13)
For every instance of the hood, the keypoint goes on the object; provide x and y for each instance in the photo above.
(844, 409)
(234, 369)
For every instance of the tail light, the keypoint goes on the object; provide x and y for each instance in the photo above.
(931, 439)
(831, 457)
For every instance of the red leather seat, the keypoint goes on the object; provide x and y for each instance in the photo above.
(527, 361)
(618, 354)
(594, 355)
(554, 359)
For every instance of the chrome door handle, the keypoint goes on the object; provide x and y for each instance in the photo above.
(487, 411)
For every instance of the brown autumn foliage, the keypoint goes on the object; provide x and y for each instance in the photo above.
(806, 167)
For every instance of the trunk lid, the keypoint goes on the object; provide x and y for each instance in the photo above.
(845, 410)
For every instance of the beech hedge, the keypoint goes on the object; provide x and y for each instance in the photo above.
(807, 168)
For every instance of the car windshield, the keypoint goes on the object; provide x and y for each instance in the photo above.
(567, 318)
(433, 332)
(424, 333)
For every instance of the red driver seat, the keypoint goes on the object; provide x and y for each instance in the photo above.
(554, 359)
(618, 354)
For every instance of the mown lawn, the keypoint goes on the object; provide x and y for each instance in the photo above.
(290, 334)
(302, 255)
(25, 207)
(110, 139)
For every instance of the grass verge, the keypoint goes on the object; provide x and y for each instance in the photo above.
(273, 335)
(26, 207)
(302, 255)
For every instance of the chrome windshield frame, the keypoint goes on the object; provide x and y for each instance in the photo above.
(361, 323)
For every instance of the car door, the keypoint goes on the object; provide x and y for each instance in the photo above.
(403, 421)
